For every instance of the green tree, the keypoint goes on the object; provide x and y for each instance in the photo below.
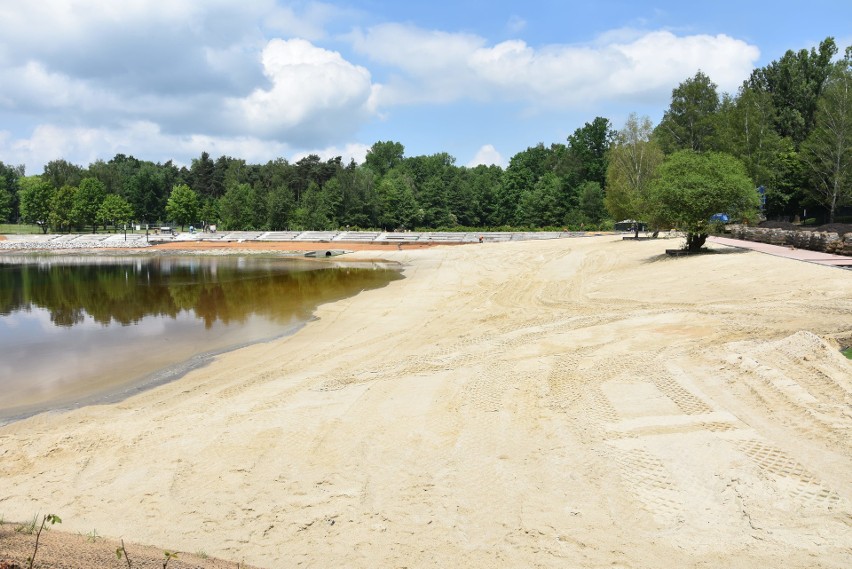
(787, 192)
(542, 205)
(87, 202)
(633, 163)
(828, 149)
(795, 83)
(357, 206)
(311, 169)
(182, 206)
(5, 203)
(434, 178)
(61, 216)
(313, 212)
(202, 174)
(590, 203)
(146, 191)
(463, 200)
(485, 183)
(384, 156)
(35, 195)
(690, 121)
(60, 173)
(9, 176)
(693, 186)
(237, 208)
(108, 174)
(224, 174)
(115, 210)
(524, 171)
(588, 147)
(747, 131)
(273, 191)
(333, 201)
(279, 208)
(208, 211)
(398, 208)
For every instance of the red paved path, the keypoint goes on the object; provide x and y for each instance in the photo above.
(790, 252)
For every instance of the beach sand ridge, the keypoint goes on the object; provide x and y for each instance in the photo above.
(567, 403)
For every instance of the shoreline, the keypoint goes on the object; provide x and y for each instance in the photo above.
(152, 380)
(102, 394)
(574, 402)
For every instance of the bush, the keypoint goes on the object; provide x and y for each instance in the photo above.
(717, 227)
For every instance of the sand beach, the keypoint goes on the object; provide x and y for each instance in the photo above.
(585, 402)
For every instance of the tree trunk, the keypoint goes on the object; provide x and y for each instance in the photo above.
(695, 241)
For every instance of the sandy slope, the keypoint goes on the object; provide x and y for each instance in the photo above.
(571, 403)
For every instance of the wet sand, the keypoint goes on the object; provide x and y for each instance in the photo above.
(122, 346)
(568, 403)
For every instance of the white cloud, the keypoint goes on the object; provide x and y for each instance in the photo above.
(414, 49)
(487, 155)
(90, 78)
(313, 89)
(80, 145)
(516, 24)
(33, 85)
(442, 67)
(663, 60)
(144, 140)
(193, 69)
(101, 62)
(310, 24)
(433, 61)
(352, 151)
(49, 24)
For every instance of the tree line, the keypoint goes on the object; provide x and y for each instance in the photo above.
(788, 130)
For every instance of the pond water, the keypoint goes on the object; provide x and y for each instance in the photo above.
(78, 330)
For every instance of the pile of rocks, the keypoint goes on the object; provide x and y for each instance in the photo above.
(824, 241)
(17, 245)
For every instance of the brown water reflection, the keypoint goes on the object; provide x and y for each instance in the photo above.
(78, 329)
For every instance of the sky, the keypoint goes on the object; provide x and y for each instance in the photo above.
(83, 80)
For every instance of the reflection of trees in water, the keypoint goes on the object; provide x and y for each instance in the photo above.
(225, 290)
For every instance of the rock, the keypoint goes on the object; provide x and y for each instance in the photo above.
(833, 242)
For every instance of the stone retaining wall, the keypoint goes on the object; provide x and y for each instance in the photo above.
(45, 245)
(827, 242)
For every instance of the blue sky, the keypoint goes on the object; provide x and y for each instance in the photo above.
(261, 79)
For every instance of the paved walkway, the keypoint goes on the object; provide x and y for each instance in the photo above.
(790, 252)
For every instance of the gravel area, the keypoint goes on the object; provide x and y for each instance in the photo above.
(35, 245)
